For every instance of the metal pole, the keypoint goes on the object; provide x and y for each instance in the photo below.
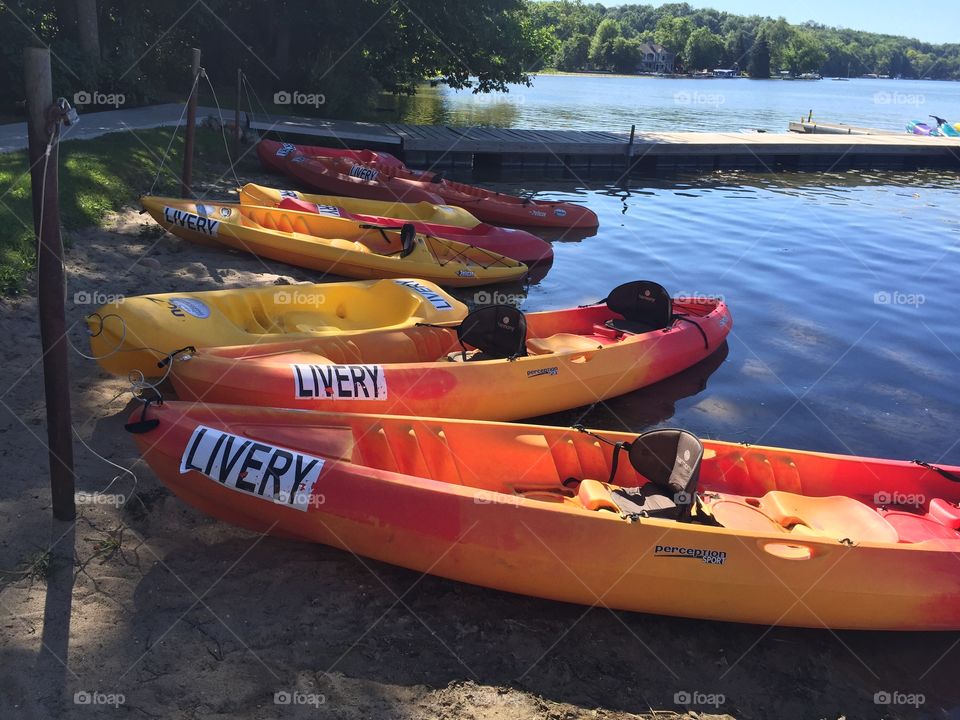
(42, 131)
(236, 120)
(185, 191)
(627, 154)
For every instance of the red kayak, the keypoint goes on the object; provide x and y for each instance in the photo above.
(274, 154)
(517, 244)
(380, 176)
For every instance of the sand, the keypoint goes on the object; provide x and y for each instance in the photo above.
(160, 611)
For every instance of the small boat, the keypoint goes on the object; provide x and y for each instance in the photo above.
(498, 364)
(273, 154)
(342, 175)
(135, 334)
(331, 244)
(660, 523)
(945, 128)
(512, 242)
(251, 194)
(917, 127)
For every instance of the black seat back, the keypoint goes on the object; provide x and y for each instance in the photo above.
(408, 233)
(670, 459)
(497, 331)
(644, 302)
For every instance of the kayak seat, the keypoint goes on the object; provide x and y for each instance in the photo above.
(670, 462)
(837, 517)
(595, 495)
(914, 527)
(560, 343)
(644, 305)
(945, 513)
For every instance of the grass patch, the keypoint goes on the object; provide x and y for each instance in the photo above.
(97, 177)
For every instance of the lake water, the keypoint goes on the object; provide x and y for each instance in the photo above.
(592, 102)
(844, 294)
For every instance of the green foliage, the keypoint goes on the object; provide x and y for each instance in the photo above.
(96, 177)
(759, 65)
(761, 43)
(673, 33)
(703, 49)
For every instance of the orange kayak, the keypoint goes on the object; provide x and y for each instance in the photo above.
(569, 358)
(735, 532)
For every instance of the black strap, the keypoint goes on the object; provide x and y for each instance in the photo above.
(706, 343)
(143, 425)
(952, 477)
(617, 447)
(171, 356)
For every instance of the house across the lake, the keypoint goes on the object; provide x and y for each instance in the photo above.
(655, 58)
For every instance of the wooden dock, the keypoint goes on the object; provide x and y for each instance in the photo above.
(809, 126)
(569, 152)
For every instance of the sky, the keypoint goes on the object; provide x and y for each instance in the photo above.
(936, 22)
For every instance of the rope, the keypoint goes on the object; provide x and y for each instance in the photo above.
(176, 129)
(223, 133)
(248, 91)
(122, 469)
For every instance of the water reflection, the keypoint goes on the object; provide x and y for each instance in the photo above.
(647, 407)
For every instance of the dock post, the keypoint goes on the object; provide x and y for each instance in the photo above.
(628, 152)
(187, 177)
(43, 129)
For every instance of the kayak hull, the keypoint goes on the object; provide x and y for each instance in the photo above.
(251, 194)
(483, 503)
(123, 333)
(511, 242)
(576, 365)
(329, 244)
(273, 154)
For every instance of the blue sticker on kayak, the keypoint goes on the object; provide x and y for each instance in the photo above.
(437, 300)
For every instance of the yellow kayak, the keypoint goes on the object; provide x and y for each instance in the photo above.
(332, 244)
(251, 194)
(135, 333)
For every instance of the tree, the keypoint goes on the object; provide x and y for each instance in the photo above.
(574, 53)
(703, 49)
(803, 53)
(672, 33)
(759, 65)
(625, 54)
(601, 47)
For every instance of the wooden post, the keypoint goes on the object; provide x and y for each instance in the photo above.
(236, 121)
(628, 153)
(50, 285)
(191, 131)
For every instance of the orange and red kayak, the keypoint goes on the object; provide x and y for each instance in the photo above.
(775, 536)
(273, 155)
(381, 178)
(570, 358)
